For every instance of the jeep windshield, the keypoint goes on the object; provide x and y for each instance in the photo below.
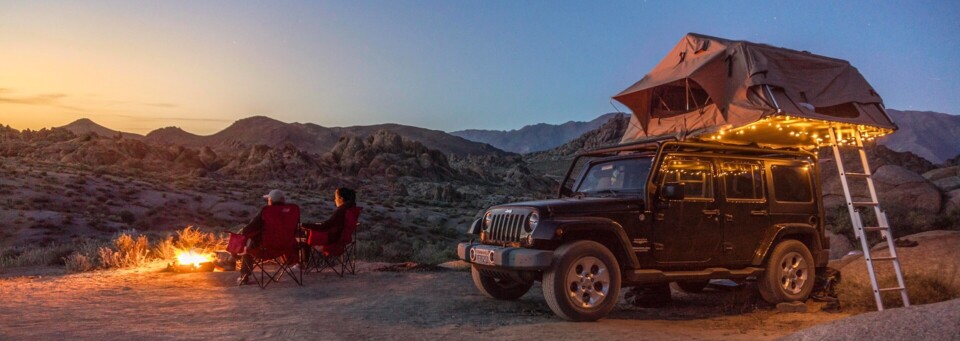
(616, 177)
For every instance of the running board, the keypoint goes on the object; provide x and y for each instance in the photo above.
(657, 276)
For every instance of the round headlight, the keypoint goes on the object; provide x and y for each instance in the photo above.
(532, 221)
(487, 219)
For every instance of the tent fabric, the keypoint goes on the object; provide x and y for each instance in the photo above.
(706, 84)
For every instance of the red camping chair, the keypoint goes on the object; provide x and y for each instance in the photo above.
(337, 255)
(278, 245)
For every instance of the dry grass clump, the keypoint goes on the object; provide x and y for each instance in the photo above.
(126, 252)
(33, 256)
(922, 289)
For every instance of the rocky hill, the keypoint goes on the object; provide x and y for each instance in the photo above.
(930, 135)
(260, 130)
(534, 138)
(85, 125)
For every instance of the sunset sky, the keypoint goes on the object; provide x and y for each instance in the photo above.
(447, 65)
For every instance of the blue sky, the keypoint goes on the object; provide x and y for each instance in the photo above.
(444, 65)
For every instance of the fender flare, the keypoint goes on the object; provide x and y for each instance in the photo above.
(547, 230)
(778, 232)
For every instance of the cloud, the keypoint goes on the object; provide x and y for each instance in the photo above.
(53, 100)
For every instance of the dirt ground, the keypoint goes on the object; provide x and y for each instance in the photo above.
(146, 303)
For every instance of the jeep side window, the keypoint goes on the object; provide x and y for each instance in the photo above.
(695, 174)
(792, 183)
(742, 180)
(621, 175)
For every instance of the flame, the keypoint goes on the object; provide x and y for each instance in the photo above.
(194, 257)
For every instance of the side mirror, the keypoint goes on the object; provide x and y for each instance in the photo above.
(672, 191)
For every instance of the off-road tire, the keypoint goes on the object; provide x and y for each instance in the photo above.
(582, 269)
(693, 286)
(499, 288)
(789, 273)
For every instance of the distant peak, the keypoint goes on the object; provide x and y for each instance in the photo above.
(82, 121)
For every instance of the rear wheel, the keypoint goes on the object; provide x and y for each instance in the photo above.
(499, 288)
(789, 274)
(584, 282)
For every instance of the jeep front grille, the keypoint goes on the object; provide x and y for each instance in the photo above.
(506, 228)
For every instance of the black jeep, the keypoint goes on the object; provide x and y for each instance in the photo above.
(654, 213)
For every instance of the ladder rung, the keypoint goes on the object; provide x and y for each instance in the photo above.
(865, 203)
(874, 228)
(876, 259)
(893, 289)
(859, 175)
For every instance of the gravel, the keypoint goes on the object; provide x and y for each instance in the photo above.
(938, 321)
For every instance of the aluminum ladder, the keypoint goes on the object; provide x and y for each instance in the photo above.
(854, 207)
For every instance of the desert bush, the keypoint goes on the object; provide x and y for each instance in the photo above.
(922, 289)
(432, 253)
(77, 262)
(127, 251)
(127, 217)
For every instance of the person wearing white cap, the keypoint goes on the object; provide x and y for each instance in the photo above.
(252, 231)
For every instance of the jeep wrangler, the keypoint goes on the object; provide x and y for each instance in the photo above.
(654, 213)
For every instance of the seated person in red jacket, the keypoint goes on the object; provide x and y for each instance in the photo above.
(253, 231)
(329, 229)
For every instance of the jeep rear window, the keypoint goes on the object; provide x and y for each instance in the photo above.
(742, 180)
(792, 183)
(616, 176)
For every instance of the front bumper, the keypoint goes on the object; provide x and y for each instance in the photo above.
(507, 257)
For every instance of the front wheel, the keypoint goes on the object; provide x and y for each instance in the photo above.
(584, 282)
(789, 273)
(499, 288)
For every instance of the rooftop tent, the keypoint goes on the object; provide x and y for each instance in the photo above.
(741, 92)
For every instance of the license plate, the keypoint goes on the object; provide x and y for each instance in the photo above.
(483, 257)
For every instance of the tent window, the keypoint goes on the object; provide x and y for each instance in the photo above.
(673, 98)
(847, 110)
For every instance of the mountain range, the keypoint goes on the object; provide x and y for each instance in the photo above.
(536, 137)
(261, 130)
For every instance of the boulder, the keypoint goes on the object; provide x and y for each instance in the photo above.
(948, 184)
(839, 245)
(953, 201)
(903, 188)
(941, 173)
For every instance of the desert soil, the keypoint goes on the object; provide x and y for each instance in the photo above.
(147, 303)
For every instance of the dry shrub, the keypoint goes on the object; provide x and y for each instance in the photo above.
(922, 289)
(77, 262)
(127, 252)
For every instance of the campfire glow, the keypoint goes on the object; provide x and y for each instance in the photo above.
(193, 257)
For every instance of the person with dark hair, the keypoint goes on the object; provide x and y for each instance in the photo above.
(345, 198)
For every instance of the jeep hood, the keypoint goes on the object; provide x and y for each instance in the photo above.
(585, 205)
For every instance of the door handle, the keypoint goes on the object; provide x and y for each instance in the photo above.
(760, 212)
(728, 217)
(711, 212)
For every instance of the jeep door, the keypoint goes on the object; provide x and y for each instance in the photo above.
(687, 232)
(744, 209)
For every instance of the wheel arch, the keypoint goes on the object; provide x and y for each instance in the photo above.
(804, 233)
(607, 232)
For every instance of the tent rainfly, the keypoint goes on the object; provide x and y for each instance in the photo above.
(740, 92)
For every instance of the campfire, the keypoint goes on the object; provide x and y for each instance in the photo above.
(193, 260)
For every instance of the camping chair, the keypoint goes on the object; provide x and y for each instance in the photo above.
(340, 255)
(278, 245)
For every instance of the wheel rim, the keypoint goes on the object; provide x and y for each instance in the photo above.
(793, 273)
(588, 282)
